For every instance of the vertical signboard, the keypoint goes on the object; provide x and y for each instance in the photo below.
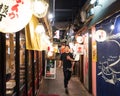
(50, 69)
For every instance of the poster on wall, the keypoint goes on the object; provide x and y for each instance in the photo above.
(50, 69)
(108, 64)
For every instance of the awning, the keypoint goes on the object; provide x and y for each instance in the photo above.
(107, 12)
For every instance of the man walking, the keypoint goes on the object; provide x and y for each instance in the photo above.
(68, 64)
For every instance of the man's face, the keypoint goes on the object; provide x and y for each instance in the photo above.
(67, 49)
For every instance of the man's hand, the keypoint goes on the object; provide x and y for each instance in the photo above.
(69, 58)
(60, 64)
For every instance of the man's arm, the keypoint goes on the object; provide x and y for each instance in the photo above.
(69, 58)
(60, 63)
(72, 61)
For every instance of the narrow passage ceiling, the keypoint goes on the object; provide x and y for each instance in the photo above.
(65, 12)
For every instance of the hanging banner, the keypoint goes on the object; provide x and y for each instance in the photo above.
(14, 15)
(78, 48)
(35, 40)
(32, 37)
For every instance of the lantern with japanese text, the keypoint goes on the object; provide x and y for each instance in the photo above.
(14, 15)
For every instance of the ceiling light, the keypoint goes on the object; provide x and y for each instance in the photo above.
(50, 16)
(112, 27)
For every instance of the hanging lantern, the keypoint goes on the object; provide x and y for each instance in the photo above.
(100, 35)
(40, 28)
(79, 39)
(40, 8)
(14, 15)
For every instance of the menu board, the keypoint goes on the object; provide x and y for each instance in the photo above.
(50, 69)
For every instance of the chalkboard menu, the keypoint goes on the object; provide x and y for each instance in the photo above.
(50, 69)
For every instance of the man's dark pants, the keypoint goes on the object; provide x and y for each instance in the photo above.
(67, 76)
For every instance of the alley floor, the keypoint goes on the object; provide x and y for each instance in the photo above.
(55, 87)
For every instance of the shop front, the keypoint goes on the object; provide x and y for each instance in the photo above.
(108, 57)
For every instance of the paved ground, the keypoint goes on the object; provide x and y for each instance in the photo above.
(55, 86)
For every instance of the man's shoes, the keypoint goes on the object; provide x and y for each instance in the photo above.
(66, 91)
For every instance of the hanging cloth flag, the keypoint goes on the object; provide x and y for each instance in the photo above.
(32, 37)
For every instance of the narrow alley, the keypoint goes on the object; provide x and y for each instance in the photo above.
(55, 87)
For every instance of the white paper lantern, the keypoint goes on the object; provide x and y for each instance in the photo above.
(100, 35)
(40, 8)
(40, 28)
(14, 15)
(79, 39)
